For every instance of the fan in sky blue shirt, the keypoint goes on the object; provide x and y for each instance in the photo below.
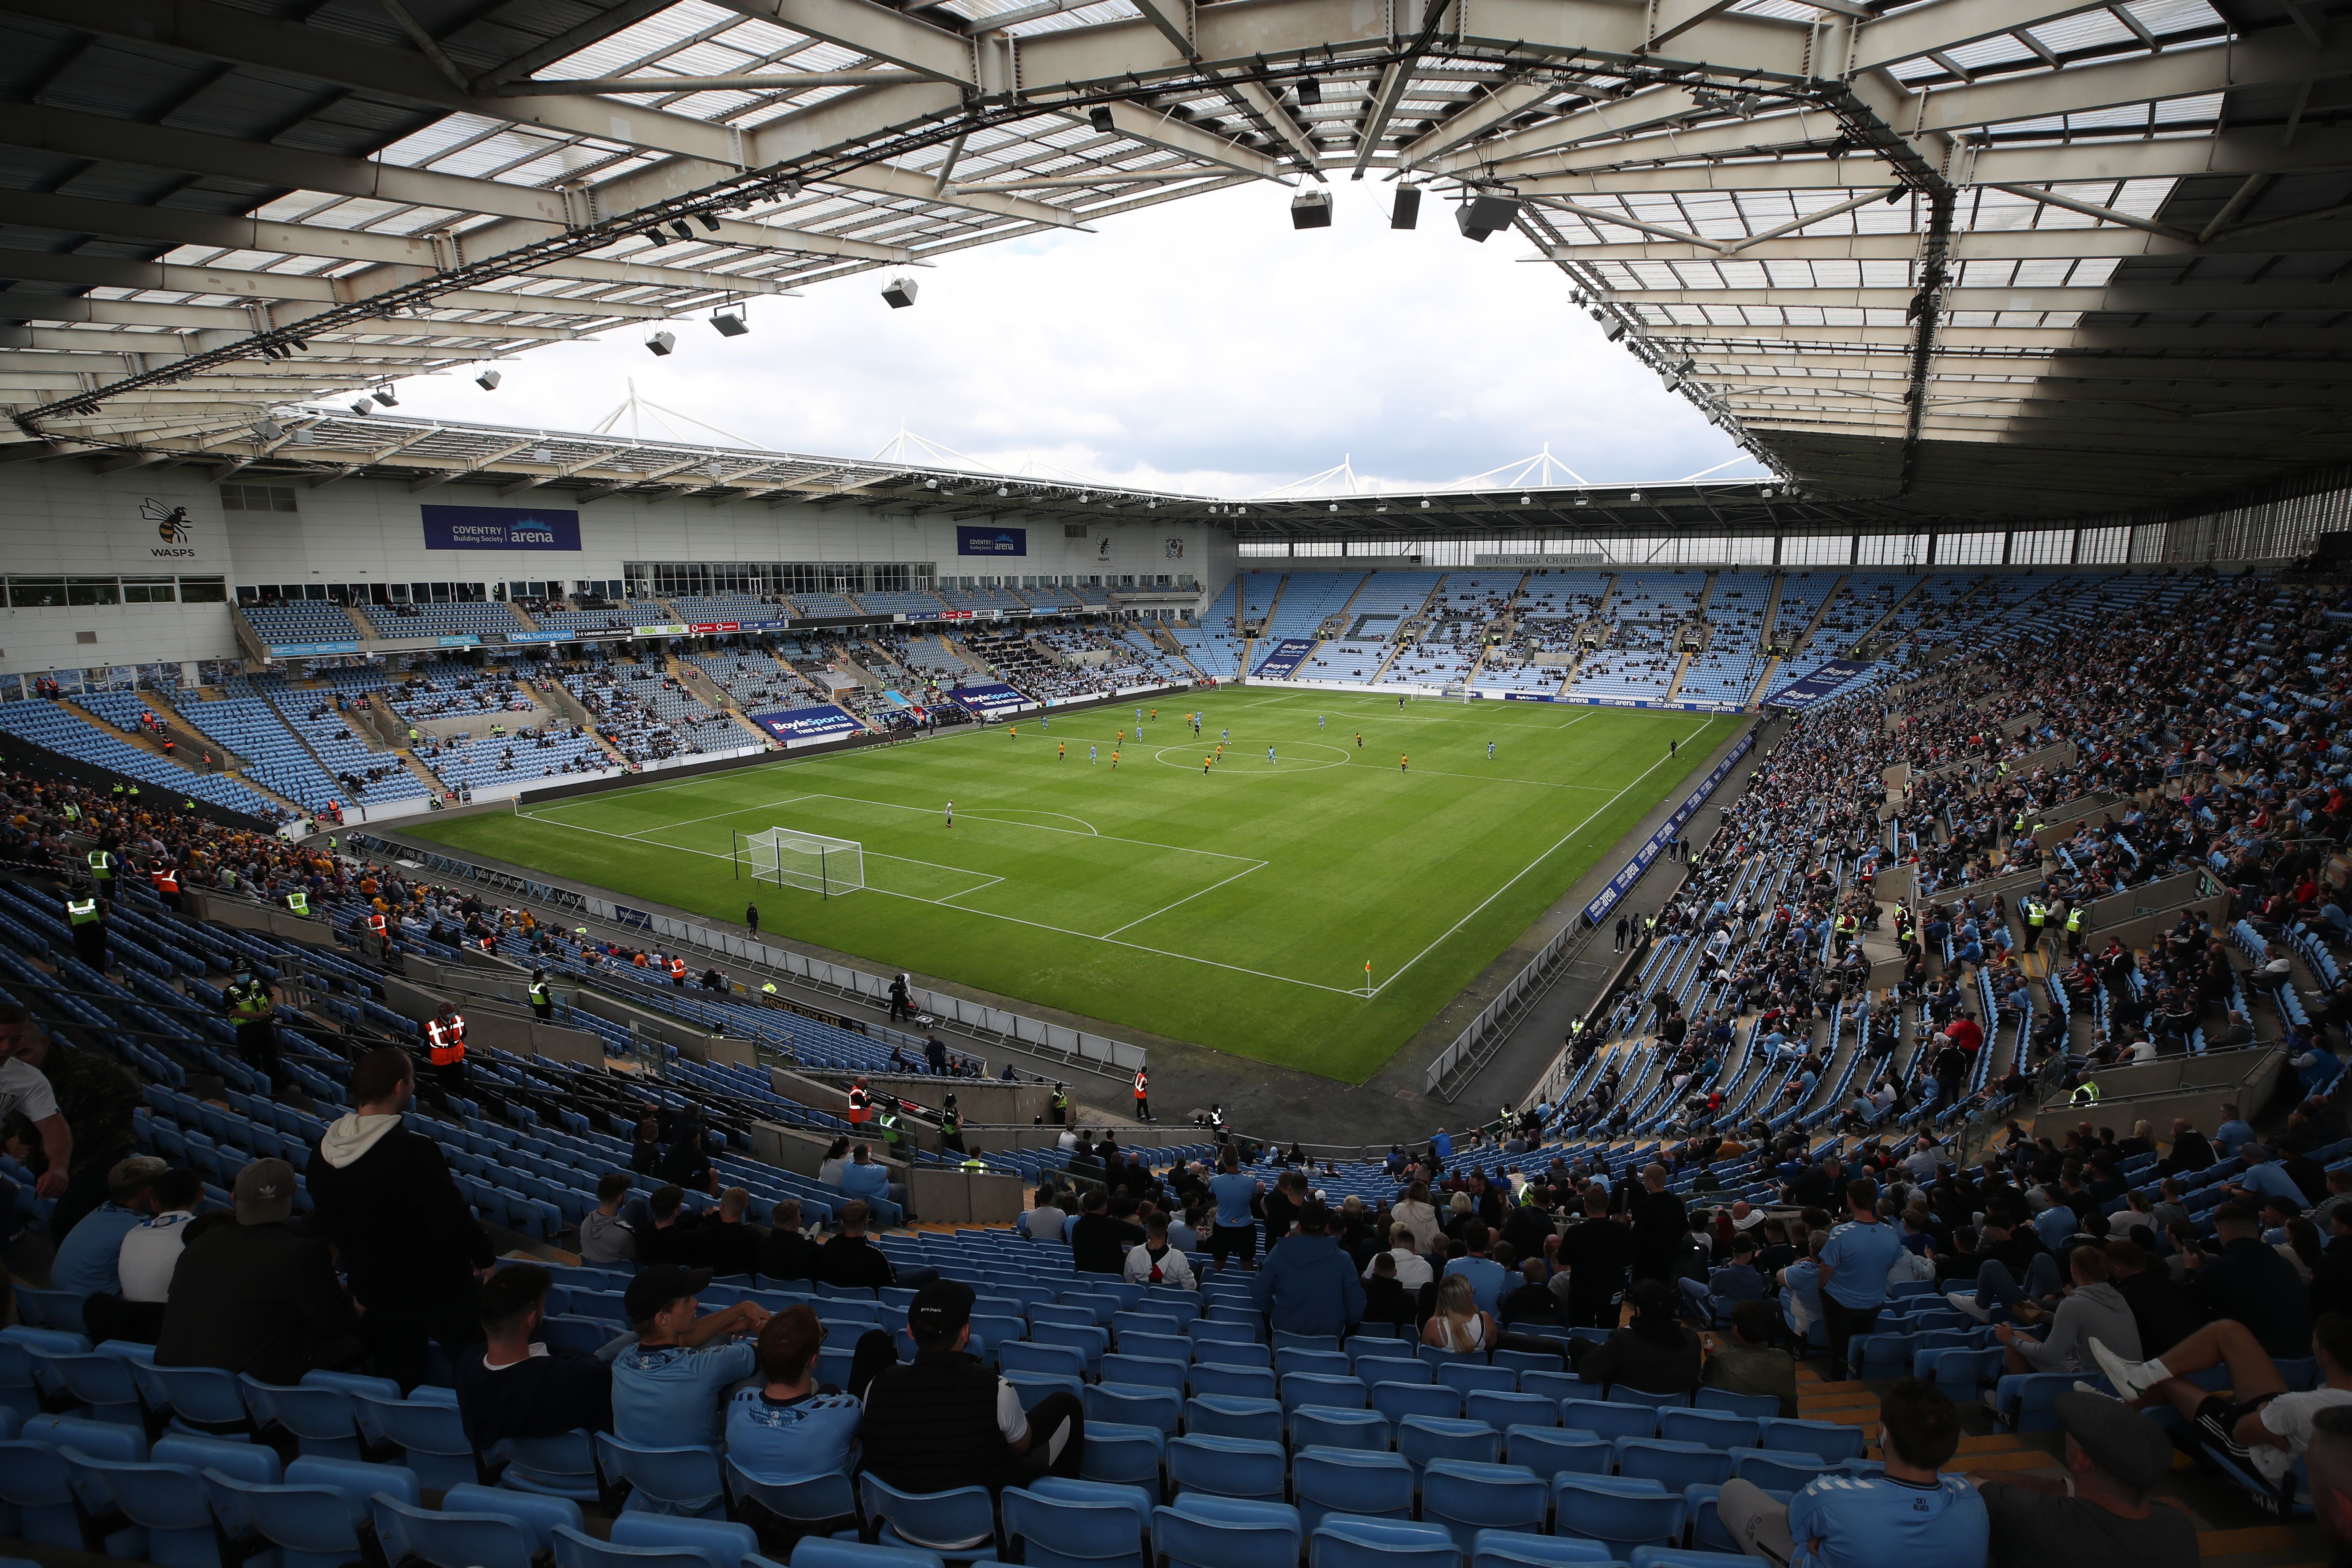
(1867, 1522)
(2232, 1136)
(1857, 1259)
(1485, 1277)
(84, 1264)
(1233, 1192)
(777, 1440)
(2054, 1225)
(2268, 1179)
(667, 1397)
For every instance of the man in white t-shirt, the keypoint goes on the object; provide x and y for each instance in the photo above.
(150, 1251)
(25, 1087)
(1412, 1270)
(2261, 1425)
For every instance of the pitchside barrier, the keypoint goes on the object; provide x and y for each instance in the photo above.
(1531, 982)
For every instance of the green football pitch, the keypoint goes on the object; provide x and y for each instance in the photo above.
(1236, 908)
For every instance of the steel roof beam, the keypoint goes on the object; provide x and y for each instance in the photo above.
(2266, 298)
(100, 271)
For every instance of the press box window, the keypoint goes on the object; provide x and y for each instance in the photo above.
(203, 590)
(257, 498)
(92, 591)
(36, 593)
(148, 591)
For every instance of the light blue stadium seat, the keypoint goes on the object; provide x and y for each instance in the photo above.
(1468, 1497)
(1226, 1467)
(1624, 1514)
(960, 1525)
(1350, 1481)
(1203, 1532)
(1079, 1524)
(1342, 1541)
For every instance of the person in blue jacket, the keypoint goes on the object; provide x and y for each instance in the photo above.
(1307, 1285)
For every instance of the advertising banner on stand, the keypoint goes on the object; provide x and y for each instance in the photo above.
(1623, 882)
(1821, 684)
(794, 725)
(1287, 655)
(993, 702)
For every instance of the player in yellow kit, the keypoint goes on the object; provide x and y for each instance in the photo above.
(1404, 763)
(1204, 765)
(1114, 759)
(1061, 749)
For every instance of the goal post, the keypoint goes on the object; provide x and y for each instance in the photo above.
(810, 861)
(1455, 693)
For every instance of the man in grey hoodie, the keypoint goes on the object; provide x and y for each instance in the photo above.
(2094, 1308)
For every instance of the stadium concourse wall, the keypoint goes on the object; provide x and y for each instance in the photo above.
(1419, 689)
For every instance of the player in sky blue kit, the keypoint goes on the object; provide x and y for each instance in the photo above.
(1319, 722)
(1490, 750)
(1090, 753)
(1269, 754)
(1224, 734)
(1138, 717)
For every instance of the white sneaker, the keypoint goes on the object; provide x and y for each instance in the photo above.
(1965, 1301)
(2124, 1374)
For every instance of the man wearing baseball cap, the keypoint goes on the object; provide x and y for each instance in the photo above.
(669, 1388)
(258, 1296)
(2115, 1458)
(947, 1421)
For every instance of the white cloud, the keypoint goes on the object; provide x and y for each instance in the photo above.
(1202, 344)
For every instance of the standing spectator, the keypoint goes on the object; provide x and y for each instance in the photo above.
(403, 1234)
(668, 1387)
(946, 1420)
(1237, 1227)
(687, 1164)
(2100, 1513)
(1855, 1263)
(1595, 1252)
(1098, 1241)
(1752, 1362)
(1659, 1225)
(1486, 1277)
(1910, 1515)
(605, 1236)
(1308, 1286)
(94, 1094)
(25, 1091)
(515, 1387)
(258, 1296)
(785, 1430)
(86, 1259)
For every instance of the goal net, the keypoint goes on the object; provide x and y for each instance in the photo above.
(810, 860)
(1456, 694)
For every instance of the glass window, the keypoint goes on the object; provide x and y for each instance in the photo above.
(203, 590)
(36, 593)
(148, 591)
(257, 498)
(92, 591)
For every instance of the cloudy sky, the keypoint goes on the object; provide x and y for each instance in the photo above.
(1202, 344)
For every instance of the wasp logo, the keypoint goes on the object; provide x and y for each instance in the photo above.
(172, 525)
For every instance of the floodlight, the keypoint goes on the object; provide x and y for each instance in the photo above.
(1637, 497)
(677, 226)
(657, 237)
(1584, 501)
(1004, 490)
(1525, 500)
(385, 397)
(729, 323)
(363, 406)
(301, 345)
(1897, 194)
(1334, 505)
(1424, 503)
(1309, 90)
(931, 484)
(1099, 117)
(488, 380)
(1311, 209)
(710, 221)
(898, 293)
(1405, 213)
(660, 343)
(1613, 330)
(1770, 492)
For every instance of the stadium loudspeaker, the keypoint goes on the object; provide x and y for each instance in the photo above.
(660, 343)
(1311, 209)
(899, 293)
(488, 380)
(730, 323)
(1406, 213)
(1099, 117)
(1483, 216)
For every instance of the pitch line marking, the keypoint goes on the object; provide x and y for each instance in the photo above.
(1039, 827)
(1538, 860)
(1015, 919)
(1187, 898)
(1002, 811)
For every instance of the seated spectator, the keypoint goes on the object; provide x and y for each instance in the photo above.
(2248, 1282)
(2161, 1306)
(2012, 1268)
(668, 1387)
(1910, 1515)
(1657, 1352)
(2101, 1512)
(1098, 1242)
(152, 1250)
(787, 1253)
(515, 1387)
(1728, 1285)
(1385, 1299)
(945, 1420)
(605, 1236)
(2260, 1424)
(1532, 1302)
(1159, 1262)
(786, 1430)
(1488, 1277)
(688, 1162)
(1752, 1362)
(2266, 1178)
(258, 1296)
(850, 1259)
(1308, 1286)
(1045, 1222)
(865, 1177)
(86, 1259)
(728, 1243)
(669, 1236)
(2095, 1307)
(1412, 1270)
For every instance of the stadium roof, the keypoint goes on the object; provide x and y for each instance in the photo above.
(2024, 258)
